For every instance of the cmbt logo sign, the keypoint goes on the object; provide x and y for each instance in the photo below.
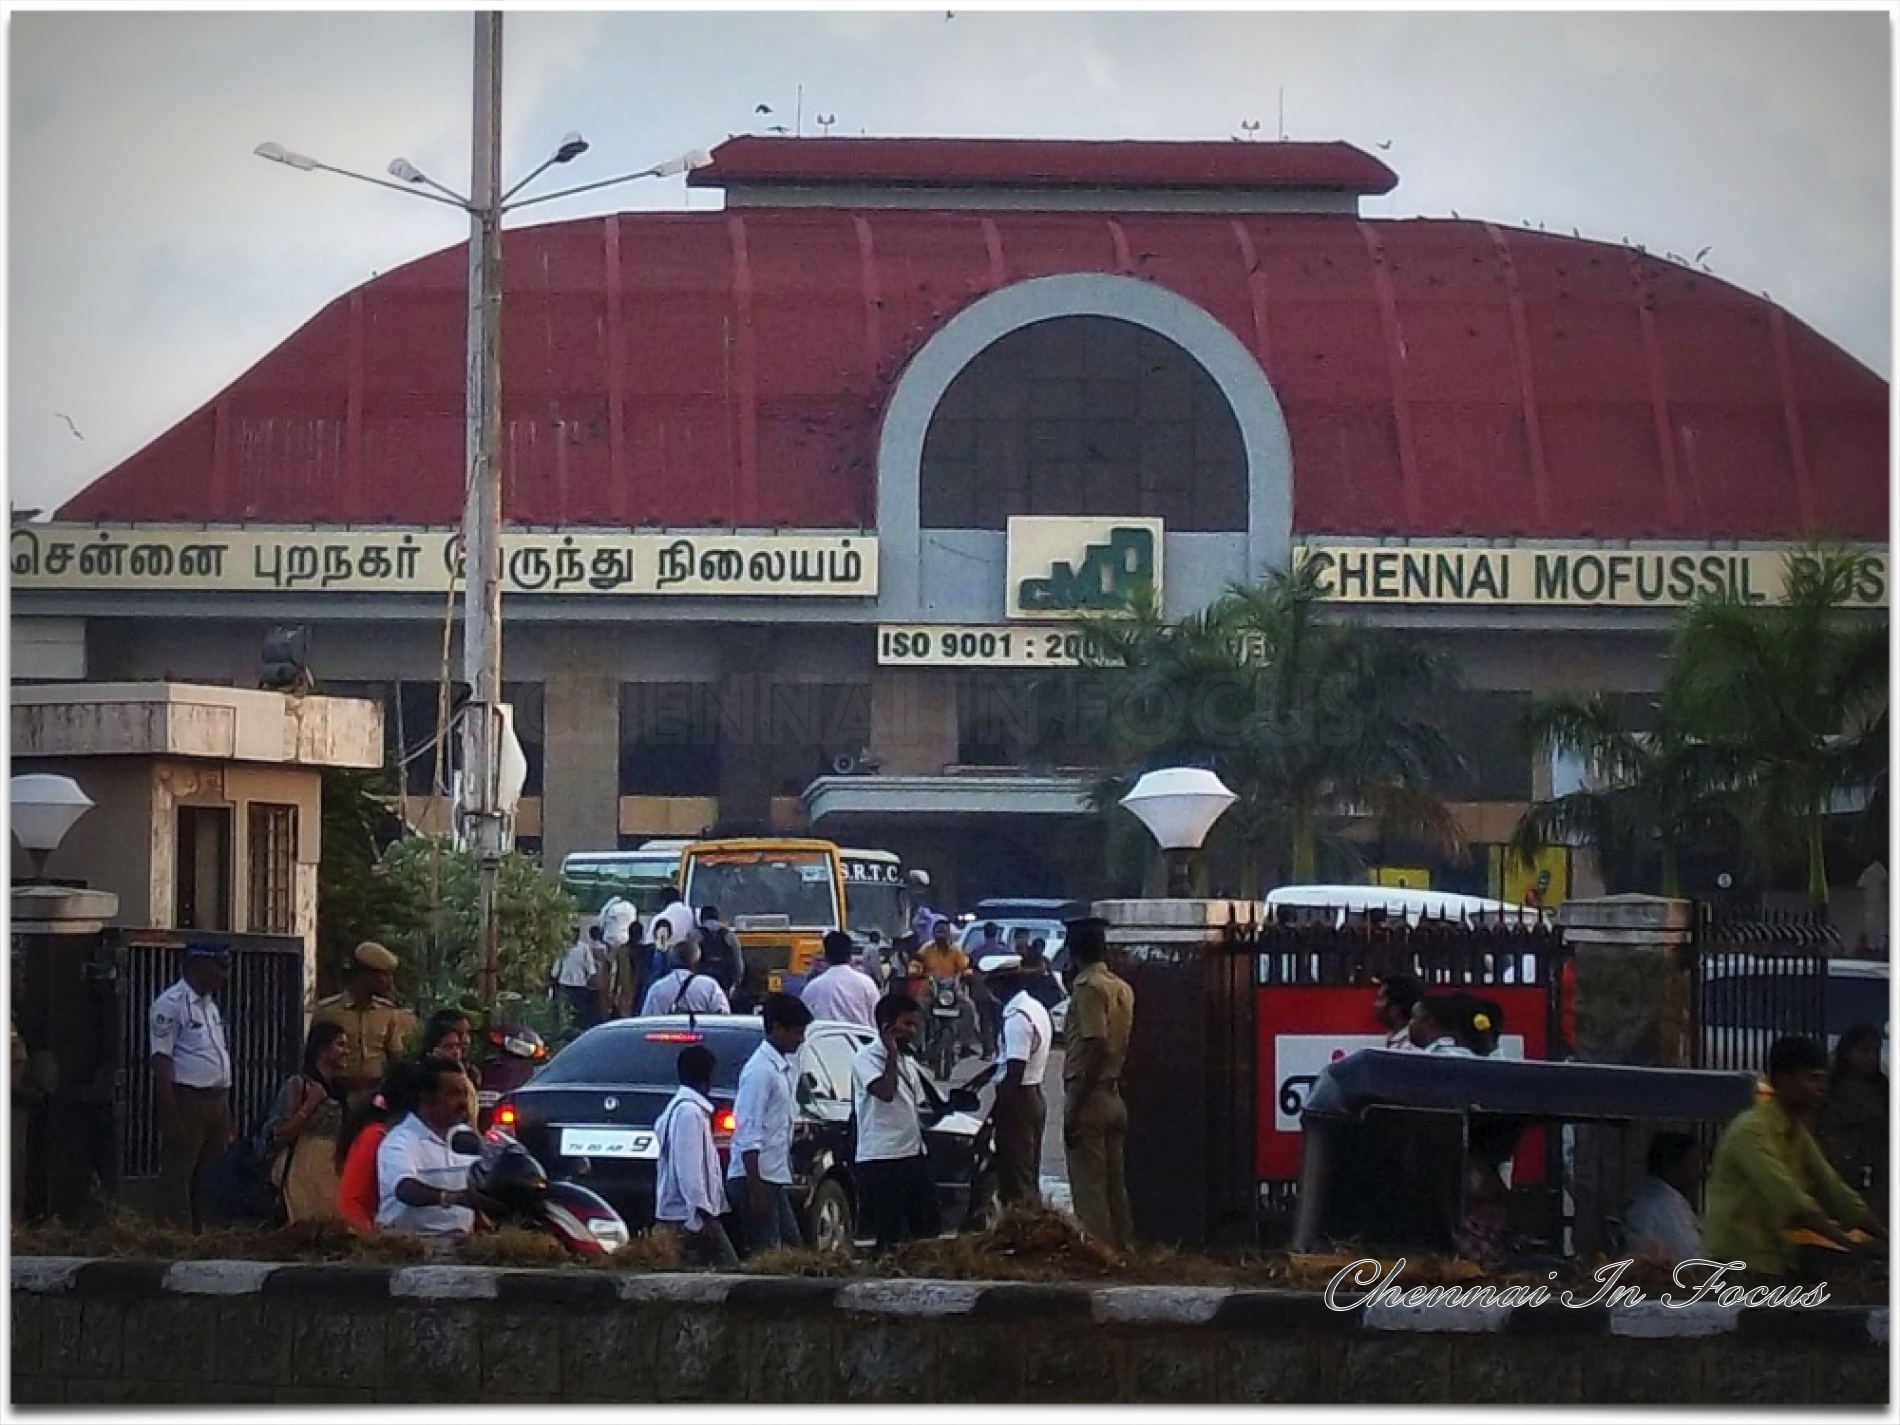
(1059, 567)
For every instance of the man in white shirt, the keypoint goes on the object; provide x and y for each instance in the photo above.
(759, 1177)
(1021, 1112)
(191, 1081)
(424, 1182)
(687, 1194)
(900, 1194)
(580, 973)
(1660, 1220)
(686, 989)
(840, 991)
(1392, 1007)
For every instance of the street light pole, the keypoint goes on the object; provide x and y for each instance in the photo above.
(481, 526)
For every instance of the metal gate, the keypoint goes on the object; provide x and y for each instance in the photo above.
(1756, 980)
(263, 1009)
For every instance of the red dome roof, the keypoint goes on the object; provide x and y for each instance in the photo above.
(730, 369)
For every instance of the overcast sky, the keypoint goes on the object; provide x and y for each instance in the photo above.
(153, 259)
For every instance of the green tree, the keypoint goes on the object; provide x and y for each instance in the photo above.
(355, 900)
(1307, 718)
(1663, 791)
(438, 931)
(1796, 693)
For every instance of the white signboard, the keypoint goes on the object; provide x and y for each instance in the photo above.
(1298, 1058)
(1061, 566)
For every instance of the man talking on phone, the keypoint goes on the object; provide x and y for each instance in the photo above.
(900, 1195)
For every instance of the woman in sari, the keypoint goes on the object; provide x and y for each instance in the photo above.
(302, 1127)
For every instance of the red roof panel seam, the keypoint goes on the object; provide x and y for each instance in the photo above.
(1527, 384)
(745, 373)
(1256, 296)
(1398, 367)
(1791, 413)
(993, 244)
(619, 493)
(873, 299)
(1658, 388)
(355, 497)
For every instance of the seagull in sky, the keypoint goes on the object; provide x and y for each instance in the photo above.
(69, 425)
(762, 108)
(1382, 147)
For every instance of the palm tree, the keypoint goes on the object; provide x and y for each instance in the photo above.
(1306, 719)
(1664, 790)
(1796, 692)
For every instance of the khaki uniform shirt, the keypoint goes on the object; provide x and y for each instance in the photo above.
(1095, 1035)
(378, 1032)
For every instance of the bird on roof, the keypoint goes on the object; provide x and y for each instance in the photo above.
(69, 425)
(1454, 212)
(949, 15)
(1705, 252)
(778, 129)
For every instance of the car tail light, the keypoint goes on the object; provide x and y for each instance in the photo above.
(724, 1122)
(505, 1117)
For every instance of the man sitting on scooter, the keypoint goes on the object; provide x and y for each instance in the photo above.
(943, 960)
(424, 1181)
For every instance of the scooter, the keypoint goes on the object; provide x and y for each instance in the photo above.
(985, 1202)
(520, 1191)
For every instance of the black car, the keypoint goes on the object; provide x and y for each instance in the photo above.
(589, 1116)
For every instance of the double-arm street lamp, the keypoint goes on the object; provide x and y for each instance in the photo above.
(482, 806)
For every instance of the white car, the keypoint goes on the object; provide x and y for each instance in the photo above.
(1748, 1001)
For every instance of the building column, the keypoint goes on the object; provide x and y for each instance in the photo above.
(580, 769)
(744, 702)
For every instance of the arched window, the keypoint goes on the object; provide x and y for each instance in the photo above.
(1083, 416)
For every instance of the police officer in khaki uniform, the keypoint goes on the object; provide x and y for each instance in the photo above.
(1094, 1118)
(379, 1027)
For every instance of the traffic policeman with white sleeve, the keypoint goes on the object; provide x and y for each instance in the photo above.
(191, 1082)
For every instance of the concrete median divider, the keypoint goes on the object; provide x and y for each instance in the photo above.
(132, 1332)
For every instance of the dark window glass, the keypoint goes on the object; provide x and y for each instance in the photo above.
(669, 740)
(1084, 416)
(626, 1053)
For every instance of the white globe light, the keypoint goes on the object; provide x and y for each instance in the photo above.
(44, 808)
(1178, 805)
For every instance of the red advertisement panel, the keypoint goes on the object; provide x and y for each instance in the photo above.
(1299, 1029)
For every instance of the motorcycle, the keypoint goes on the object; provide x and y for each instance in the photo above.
(512, 1055)
(985, 1202)
(943, 1027)
(519, 1190)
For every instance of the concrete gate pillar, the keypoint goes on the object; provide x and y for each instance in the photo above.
(1634, 1005)
(580, 770)
(1189, 1079)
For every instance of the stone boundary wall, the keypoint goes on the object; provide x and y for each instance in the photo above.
(225, 1333)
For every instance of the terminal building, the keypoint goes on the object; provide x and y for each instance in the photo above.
(803, 495)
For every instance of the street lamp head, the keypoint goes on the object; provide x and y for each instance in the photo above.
(44, 807)
(685, 163)
(405, 170)
(277, 153)
(572, 147)
(1179, 805)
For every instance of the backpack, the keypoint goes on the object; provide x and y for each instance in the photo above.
(238, 1189)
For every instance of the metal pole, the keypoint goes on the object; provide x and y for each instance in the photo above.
(481, 531)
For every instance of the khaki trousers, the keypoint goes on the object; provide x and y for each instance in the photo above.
(1021, 1114)
(1097, 1143)
(190, 1140)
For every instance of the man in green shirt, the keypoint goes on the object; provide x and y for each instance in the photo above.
(1769, 1176)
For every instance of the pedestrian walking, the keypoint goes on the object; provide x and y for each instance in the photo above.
(191, 1082)
(721, 957)
(1769, 1177)
(619, 923)
(1853, 1129)
(578, 976)
(687, 988)
(899, 1191)
(1039, 976)
(379, 1027)
(1021, 1113)
(840, 991)
(1094, 1119)
(1392, 1007)
(303, 1124)
(687, 1194)
(759, 1178)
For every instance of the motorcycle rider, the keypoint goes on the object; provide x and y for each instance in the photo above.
(943, 960)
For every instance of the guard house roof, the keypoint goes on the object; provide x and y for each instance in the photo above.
(1438, 378)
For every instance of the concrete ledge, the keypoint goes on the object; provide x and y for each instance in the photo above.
(136, 1332)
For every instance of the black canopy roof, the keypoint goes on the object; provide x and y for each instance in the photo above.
(1383, 1078)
